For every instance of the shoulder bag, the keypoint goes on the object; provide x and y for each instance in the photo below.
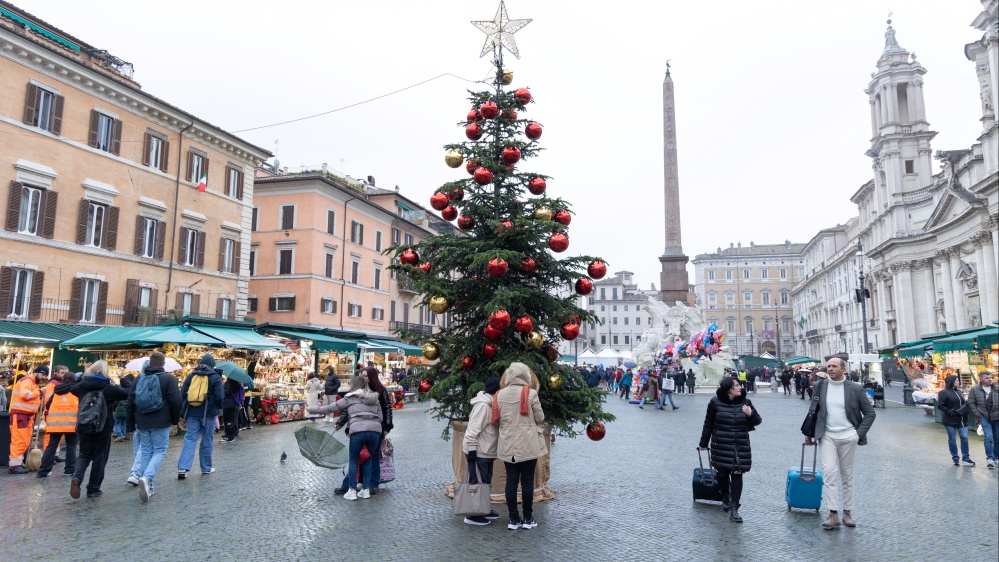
(471, 499)
(811, 418)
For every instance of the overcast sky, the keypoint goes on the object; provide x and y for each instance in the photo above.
(772, 118)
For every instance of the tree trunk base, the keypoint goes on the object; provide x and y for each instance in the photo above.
(497, 491)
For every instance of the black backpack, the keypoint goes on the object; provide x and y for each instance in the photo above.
(93, 413)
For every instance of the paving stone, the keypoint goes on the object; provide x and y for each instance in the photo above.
(627, 497)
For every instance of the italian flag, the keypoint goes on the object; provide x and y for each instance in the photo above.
(203, 184)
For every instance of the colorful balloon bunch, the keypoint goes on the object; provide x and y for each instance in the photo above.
(707, 342)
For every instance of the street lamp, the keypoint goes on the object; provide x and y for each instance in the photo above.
(862, 293)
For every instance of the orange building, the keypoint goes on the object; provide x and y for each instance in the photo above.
(318, 253)
(104, 222)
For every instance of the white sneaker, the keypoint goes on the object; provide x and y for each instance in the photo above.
(350, 495)
(364, 494)
(133, 480)
(145, 490)
(991, 463)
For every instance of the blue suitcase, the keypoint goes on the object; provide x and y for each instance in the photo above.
(804, 483)
(706, 486)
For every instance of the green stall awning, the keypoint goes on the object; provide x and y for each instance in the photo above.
(408, 349)
(799, 360)
(320, 342)
(17, 333)
(977, 340)
(236, 338)
(133, 338)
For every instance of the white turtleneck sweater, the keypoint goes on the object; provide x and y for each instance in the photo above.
(838, 426)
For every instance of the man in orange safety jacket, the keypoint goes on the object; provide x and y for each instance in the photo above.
(25, 400)
(60, 421)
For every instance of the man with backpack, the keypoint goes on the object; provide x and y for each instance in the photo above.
(202, 397)
(153, 406)
(94, 422)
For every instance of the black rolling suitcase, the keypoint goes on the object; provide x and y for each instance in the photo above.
(706, 487)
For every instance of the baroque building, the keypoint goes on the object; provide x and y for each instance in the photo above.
(746, 291)
(928, 240)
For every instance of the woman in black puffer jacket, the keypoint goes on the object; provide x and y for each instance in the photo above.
(730, 418)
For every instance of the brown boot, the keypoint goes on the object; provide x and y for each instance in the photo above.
(847, 520)
(832, 522)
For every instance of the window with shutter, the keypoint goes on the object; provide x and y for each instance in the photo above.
(31, 105)
(183, 247)
(234, 181)
(200, 261)
(287, 217)
(253, 262)
(253, 219)
(285, 262)
(111, 229)
(330, 260)
(251, 304)
(160, 239)
(131, 302)
(330, 221)
(102, 131)
(197, 165)
(378, 240)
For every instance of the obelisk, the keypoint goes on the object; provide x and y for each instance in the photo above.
(673, 280)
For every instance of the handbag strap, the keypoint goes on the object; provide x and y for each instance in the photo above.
(468, 473)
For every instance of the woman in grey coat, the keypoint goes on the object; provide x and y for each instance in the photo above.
(365, 429)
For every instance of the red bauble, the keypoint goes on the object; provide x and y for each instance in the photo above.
(490, 350)
(533, 131)
(457, 194)
(465, 222)
(497, 267)
(551, 353)
(499, 319)
(471, 166)
(562, 217)
(528, 265)
(596, 431)
(467, 363)
(597, 269)
(483, 176)
(489, 109)
(424, 386)
(522, 95)
(558, 242)
(474, 115)
(409, 257)
(426, 267)
(570, 331)
(439, 201)
(473, 132)
(511, 154)
(504, 226)
(510, 114)
(491, 333)
(537, 186)
(524, 325)
(584, 286)
(449, 213)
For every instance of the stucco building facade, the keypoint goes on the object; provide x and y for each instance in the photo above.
(104, 221)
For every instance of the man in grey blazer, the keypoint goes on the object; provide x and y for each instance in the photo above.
(845, 415)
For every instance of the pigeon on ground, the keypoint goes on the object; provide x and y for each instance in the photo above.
(284, 456)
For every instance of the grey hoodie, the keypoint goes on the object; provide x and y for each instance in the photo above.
(362, 407)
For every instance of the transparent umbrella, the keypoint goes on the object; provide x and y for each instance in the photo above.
(321, 447)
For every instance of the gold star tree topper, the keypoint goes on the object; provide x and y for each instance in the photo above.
(499, 32)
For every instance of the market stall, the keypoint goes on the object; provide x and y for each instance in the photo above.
(24, 345)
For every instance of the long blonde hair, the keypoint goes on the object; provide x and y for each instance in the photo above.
(97, 368)
(358, 382)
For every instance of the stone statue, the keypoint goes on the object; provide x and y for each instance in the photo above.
(986, 95)
(680, 321)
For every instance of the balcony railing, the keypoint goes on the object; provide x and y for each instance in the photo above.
(811, 333)
(839, 328)
(423, 329)
(406, 283)
(58, 311)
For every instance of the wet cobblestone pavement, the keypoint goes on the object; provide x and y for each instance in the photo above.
(627, 497)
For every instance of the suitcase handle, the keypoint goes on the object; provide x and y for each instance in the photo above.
(710, 481)
(802, 475)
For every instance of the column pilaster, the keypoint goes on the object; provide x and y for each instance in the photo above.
(957, 294)
(947, 279)
(929, 297)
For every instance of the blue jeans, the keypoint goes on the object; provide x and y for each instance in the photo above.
(357, 441)
(952, 442)
(376, 460)
(991, 430)
(119, 427)
(661, 401)
(136, 457)
(205, 429)
(151, 451)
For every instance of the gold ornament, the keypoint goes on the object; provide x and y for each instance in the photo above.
(431, 351)
(453, 158)
(543, 214)
(439, 305)
(555, 382)
(535, 339)
(507, 77)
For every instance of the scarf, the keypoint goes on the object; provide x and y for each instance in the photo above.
(525, 407)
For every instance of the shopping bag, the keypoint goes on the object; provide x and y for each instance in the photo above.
(471, 499)
(387, 468)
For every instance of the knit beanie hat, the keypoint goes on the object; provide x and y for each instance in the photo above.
(492, 385)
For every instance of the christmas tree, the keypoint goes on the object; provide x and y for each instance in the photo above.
(506, 295)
